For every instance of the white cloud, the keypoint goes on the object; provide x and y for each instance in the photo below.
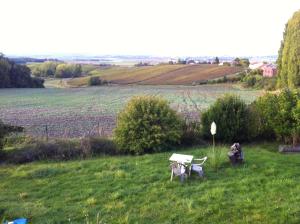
(157, 27)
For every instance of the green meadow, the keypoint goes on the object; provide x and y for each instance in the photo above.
(137, 189)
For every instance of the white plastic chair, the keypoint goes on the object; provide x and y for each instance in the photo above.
(197, 167)
(178, 169)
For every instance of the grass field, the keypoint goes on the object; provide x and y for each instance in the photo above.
(137, 190)
(158, 75)
(74, 112)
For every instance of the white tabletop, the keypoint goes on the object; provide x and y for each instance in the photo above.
(181, 158)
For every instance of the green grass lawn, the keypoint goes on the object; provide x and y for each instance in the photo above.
(137, 189)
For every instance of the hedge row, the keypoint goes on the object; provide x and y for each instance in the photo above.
(148, 124)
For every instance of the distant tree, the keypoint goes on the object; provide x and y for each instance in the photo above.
(217, 60)
(77, 70)
(289, 54)
(237, 60)
(94, 81)
(181, 61)
(55, 69)
(245, 62)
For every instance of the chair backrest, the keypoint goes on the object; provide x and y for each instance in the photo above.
(201, 159)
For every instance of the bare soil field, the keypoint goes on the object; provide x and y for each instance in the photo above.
(78, 112)
(160, 74)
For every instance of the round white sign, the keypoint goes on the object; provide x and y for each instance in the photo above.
(213, 128)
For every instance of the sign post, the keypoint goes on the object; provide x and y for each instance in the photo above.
(213, 131)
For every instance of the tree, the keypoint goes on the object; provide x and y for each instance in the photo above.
(94, 81)
(217, 60)
(289, 54)
(13, 75)
(245, 62)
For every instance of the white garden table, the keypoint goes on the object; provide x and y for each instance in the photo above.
(181, 158)
(185, 160)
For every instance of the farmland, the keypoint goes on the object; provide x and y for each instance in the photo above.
(75, 112)
(158, 75)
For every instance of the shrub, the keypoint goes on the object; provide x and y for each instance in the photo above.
(147, 124)
(102, 146)
(60, 149)
(279, 115)
(233, 119)
(265, 110)
(42, 150)
(284, 121)
(7, 129)
(94, 81)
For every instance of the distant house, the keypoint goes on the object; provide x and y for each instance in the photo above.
(256, 65)
(191, 62)
(269, 70)
(235, 63)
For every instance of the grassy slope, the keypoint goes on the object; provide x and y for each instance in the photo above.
(137, 190)
(159, 75)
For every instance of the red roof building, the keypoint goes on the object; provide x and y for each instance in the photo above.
(269, 70)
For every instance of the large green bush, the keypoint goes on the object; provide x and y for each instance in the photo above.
(279, 114)
(147, 124)
(264, 110)
(284, 122)
(234, 120)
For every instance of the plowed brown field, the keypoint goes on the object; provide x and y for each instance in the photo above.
(161, 74)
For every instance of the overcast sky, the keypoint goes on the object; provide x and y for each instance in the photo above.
(144, 27)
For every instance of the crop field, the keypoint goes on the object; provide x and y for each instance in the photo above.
(159, 74)
(76, 112)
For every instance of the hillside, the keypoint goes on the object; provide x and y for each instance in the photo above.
(159, 74)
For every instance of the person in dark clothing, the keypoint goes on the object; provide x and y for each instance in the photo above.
(236, 154)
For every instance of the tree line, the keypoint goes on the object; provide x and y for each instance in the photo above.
(13, 75)
(56, 70)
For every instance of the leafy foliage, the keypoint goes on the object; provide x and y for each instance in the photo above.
(233, 119)
(13, 75)
(35, 149)
(289, 54)
(147, 124)
(242, 62)
(56, 69)
(265, 109)
(68, 71)
(255, 79)
(5, 130)
(95, 81)
(279, 114)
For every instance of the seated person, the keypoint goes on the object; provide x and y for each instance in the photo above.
(236, 154)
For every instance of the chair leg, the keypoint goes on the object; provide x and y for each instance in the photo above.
(171, 175)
